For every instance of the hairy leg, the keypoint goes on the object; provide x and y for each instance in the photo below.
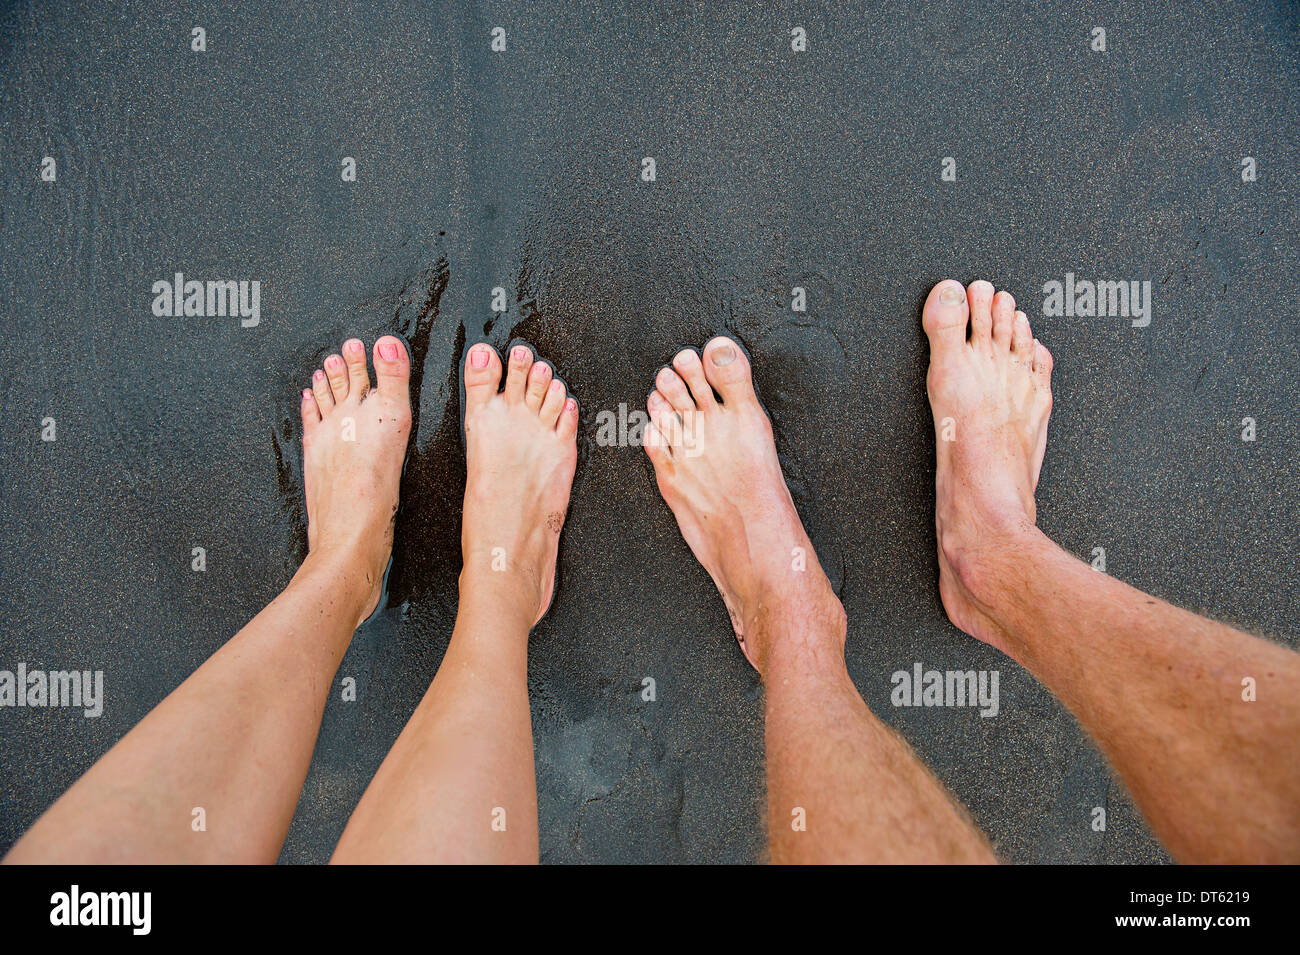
(842, 787)
(1163, 691)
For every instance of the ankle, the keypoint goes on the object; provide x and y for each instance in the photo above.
(985, 565)
(999, 581)
(362, 546)
(508, 595)
(343, 573)
(802, 633)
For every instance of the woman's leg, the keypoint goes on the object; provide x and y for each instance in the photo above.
(459, 784)
(234, 740)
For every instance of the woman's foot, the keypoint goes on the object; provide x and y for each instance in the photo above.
(353, 445)
(716, 466)
(990, 391)
(521, 452)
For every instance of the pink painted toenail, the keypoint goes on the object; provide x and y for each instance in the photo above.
(478, 356)
(333, 361)
(318, 375)
(353, 345)
(724, 355)
(306, 394)
(388, 351)
(519, 353)
(952, 294)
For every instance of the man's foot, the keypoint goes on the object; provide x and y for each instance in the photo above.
(521, 452)
(717, 468)
(991, 397)
(353, 444)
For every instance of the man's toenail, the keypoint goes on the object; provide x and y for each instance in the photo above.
(519, 353)
(478, 356)
(724, 355)
(388, 351)
(952, 294)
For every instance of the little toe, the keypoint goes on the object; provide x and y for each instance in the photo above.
(310, 412)
(656, 445)
(665, 420)
(567, 426)
(1042, 362)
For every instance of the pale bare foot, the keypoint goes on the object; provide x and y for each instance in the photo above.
(521, 452)
(717, 468)
(991, 397)
(353, 444)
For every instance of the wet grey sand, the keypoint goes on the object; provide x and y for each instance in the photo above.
(521, 171)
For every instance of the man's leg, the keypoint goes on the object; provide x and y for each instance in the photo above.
(235, 739)
(459, 784)
(842, 787)
(1162, 690)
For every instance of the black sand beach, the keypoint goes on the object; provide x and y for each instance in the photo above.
(522, 170)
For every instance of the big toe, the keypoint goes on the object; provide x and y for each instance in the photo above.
(945, 317)
(482, 373)
(393, 367)
(727, 370)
